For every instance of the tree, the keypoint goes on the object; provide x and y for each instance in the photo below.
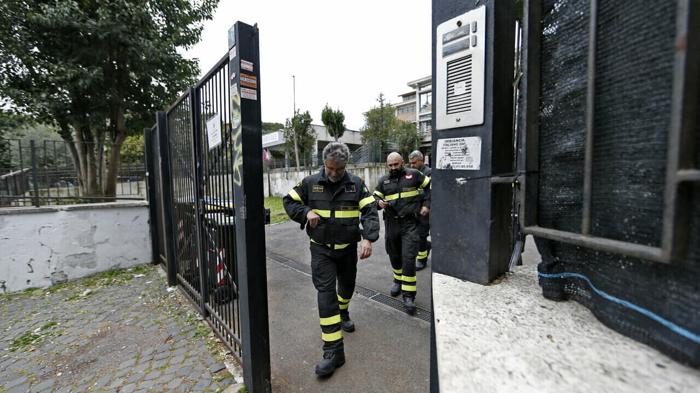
(133, 149)
(300, 135)
(97, 70)
(379, 123)
(271, 127)
(10, 126)
(334, 120)
(406, 137)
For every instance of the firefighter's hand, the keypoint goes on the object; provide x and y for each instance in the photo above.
(424, 211)
(382, 204)
(312, 219)
(365, 249)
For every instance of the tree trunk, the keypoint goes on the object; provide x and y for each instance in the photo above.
(110, 186)
(76, 161)
(119, 127)
(93, 189)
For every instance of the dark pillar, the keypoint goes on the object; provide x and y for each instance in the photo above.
(151, 185)
(470, 215)
(166, 184)
(244, 71)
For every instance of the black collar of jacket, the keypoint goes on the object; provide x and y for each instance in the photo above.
(346, 177)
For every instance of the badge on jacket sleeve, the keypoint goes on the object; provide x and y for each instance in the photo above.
(409, 176)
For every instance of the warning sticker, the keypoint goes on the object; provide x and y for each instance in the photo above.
(214, 131)
(249, 94)
(459, 153)
(232, 54)
(248, 80)
(246, 65)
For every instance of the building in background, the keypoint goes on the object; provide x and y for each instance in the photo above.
(273, 145)
(416, 106)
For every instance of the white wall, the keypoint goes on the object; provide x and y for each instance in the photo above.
(43, 246)
(280, 181)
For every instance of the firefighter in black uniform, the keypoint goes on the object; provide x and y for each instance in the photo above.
(399, 194)
(416, 161)
(332, 204)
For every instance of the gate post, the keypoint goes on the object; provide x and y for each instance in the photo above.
(472, 74)
(151, 185)
(166, 183)
(247, 179)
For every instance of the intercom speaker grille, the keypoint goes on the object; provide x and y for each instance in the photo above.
(459, 85)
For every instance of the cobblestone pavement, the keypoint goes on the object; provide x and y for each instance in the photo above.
(119, 331)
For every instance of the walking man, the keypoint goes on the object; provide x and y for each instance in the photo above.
(398, 193)
(416, 161)
(332, 204)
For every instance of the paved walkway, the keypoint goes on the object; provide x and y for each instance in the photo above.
(389, 351)
(119, 332)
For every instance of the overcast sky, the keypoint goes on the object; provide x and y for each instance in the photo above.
(343, 53)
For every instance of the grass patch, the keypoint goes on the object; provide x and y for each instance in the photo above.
(277, 213)
(29, 292)
(243, 390)
(114, 276)
(220, 376)
(201, 331)
(28, 341)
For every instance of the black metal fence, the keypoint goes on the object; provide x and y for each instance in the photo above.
(195, 157)
(610, 149)
(42, 172)
(202, 257)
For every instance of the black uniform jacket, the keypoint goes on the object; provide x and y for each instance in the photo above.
(403, 192)
(341, 211)
(424, 169)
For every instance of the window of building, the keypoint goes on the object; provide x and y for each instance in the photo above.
(425, 128)
(426, 102)
(406, 109)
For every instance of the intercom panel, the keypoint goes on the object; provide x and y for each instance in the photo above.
(460, 63)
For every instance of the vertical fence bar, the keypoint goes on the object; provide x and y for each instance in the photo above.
(169, 237)
(35, 177)
(151, 192)
(590, 120)
(197, 169)
(528, 155)
(19, 152)
(679, 155)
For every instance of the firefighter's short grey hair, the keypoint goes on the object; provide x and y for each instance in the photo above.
(336, 151)
(415, 155)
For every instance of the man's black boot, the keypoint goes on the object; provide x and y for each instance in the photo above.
(345, 323)
(395, 289)
(332, 359)
(409, 305)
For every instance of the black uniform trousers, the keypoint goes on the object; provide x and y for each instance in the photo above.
(331, 267)
(423, 232)
(402, 246)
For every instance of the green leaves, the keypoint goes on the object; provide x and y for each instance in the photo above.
(334, 121)
(300, 126)
(82, 60)
(382, 127)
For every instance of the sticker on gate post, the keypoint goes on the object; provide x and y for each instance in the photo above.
(459, 153)
(214, 131)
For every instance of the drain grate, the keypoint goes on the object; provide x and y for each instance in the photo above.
(371, 294)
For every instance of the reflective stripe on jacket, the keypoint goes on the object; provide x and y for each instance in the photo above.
(341, 211)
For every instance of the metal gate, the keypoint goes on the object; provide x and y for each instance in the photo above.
(196, 154)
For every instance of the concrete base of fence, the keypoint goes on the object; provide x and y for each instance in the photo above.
(43, 246)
